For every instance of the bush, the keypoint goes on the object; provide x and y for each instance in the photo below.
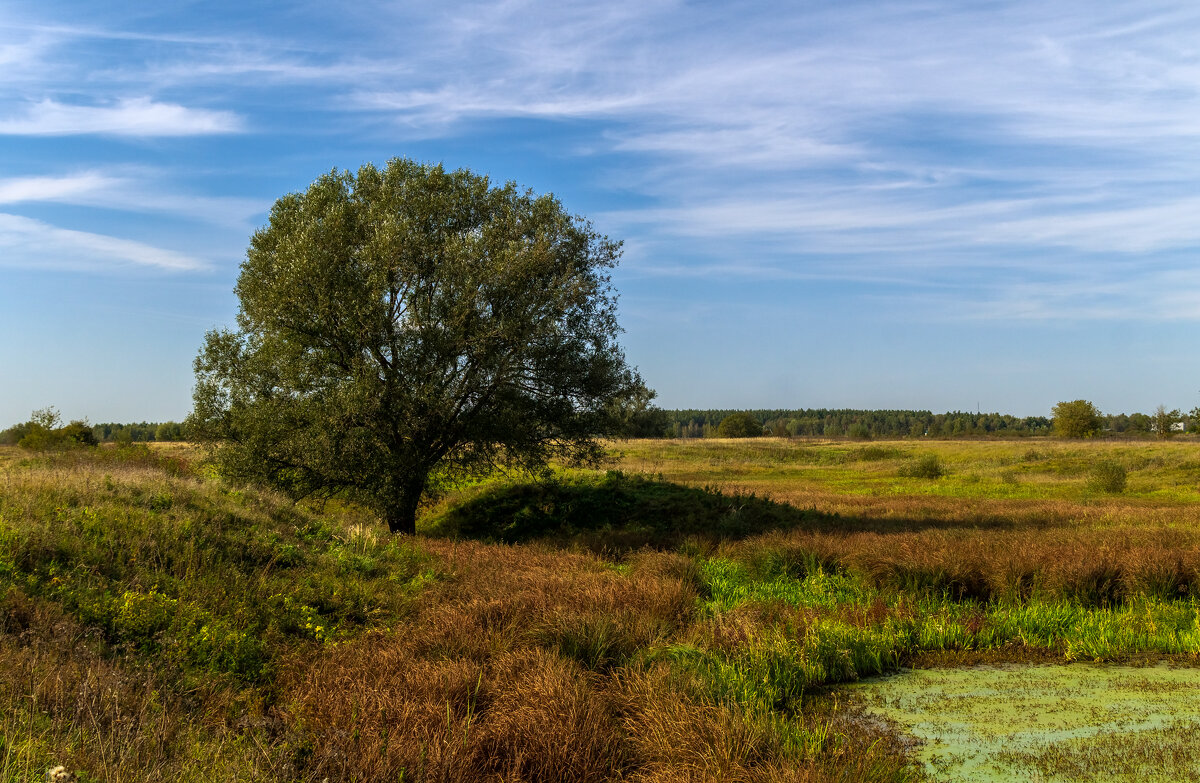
(43, 433)
(1077, 419)
(928, 466)
(1107, 476)
(739, 425)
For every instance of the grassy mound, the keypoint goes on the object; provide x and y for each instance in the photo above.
(616, 509)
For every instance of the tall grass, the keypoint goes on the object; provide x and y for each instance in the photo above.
(159, 624)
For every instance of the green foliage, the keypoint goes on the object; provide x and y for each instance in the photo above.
(859, 431)
(927, 466)
(405, 326)
(615, 509)
(739, 425)
(195, 577)
(1107, 476)
(824, 422)
(845, 626)
(43, 432)
(637, 417)
(1076, 419)
(877, 453)
(1163, 422)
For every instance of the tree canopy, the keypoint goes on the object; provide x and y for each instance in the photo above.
(1076, 419)
(739, 425)
(403, 327)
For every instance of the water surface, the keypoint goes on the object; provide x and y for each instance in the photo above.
(1080, 722)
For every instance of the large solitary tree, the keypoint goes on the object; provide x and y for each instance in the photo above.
(405, 327)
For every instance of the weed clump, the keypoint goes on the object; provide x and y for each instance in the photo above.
(876, 453)
(927, 467)
(1107, 476)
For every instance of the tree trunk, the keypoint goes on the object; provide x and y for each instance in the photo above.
(402, 514)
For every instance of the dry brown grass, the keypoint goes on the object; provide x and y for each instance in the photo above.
(1091, 565)
(523, 667)
(504, 674)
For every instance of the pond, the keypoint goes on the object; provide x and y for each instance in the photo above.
(1079, 722)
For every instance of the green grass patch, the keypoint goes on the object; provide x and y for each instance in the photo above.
(190, 573)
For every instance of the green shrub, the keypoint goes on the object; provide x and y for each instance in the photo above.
(1107, 476)
(43, 433)
(928, 467)
(739, 425)
(876, 453)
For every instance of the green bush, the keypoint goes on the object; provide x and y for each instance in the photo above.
(1107, 476)
(1077, 419)
(928, 467)
(739, 425)
(43, 433)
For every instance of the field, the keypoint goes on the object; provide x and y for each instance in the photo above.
(689, 615)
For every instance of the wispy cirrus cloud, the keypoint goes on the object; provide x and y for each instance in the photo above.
(34, 244)
(142, 192)
(142, 117)
(872, 141)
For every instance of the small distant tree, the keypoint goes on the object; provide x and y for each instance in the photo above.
(1163, 421)
(1076, 419)
(739, 425)
(39, 430)
(1139, 422)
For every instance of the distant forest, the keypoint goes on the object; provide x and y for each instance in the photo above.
(850, 423)
(110, 432)
(844, 422)
(804, 422)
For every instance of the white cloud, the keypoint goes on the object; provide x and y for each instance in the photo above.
(127, 117)
(140, 193)
(34, 244)
(67, 189)
(856, 141)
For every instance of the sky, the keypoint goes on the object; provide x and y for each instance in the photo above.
(928, 205)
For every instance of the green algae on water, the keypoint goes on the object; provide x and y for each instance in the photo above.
(1081, 722)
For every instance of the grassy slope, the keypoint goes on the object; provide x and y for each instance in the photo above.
(159, 625)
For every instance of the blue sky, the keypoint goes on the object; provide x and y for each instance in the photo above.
(936, 205)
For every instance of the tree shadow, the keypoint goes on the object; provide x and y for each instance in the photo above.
(620, 511)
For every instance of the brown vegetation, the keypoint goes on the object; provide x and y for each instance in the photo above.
(460, 660)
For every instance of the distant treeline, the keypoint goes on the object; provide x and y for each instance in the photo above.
(850, 423)
(109, 432)
(843, 422)
(807, 422)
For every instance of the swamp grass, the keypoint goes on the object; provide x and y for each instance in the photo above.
(692, 621)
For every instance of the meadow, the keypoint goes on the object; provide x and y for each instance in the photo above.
(689, 614)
